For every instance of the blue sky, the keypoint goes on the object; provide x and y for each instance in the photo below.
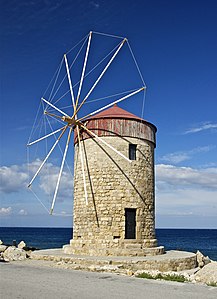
(175, 44)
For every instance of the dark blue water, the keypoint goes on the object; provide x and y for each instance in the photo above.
(204, 240)
(191, 240)
(40, 238)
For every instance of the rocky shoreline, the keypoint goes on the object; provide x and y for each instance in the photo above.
(205, 272)
(15, 252)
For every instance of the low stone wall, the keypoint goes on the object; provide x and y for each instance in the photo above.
(170, 261)
(113, 248)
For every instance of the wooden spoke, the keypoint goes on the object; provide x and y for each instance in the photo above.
(100, 76)
(61, 170)
(48, 155)
(84, 67)
(43, 99)
(111, 104)
(82, 165)
(46, 136)
(53, 115)
(70, 83)
(103, 141)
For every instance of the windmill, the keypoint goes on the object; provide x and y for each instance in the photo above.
(72, 122)
(84, 125)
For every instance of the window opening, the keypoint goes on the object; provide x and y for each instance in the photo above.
(132, 151)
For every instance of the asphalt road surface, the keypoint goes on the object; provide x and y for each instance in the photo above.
(36, 279)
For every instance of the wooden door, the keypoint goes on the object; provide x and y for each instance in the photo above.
(130, 223)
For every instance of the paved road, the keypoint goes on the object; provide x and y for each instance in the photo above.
(34, 280)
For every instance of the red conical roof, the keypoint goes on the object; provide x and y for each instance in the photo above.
(115, 112)
(116, 121)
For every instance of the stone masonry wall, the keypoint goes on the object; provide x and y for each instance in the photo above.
(113, 184)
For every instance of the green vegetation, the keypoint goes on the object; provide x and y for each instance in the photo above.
(146, 276)
(178, 278)
(212, 284)
(170, 277)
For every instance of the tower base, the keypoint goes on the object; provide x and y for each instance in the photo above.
(116, 247)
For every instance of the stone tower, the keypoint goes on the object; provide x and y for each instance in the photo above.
(120, 216)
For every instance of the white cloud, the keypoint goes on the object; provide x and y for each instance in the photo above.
(180, 191)
(180, 156)
(22, 212)
(176, 157)
(202, 127)
(15, 178)
(191, 202)
(12, 178)
(48, 183)
(5, 211)
(186, 192)
(169, 176)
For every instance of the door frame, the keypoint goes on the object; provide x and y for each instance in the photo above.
(126, 231)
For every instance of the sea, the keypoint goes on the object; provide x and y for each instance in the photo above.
(204, 240)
